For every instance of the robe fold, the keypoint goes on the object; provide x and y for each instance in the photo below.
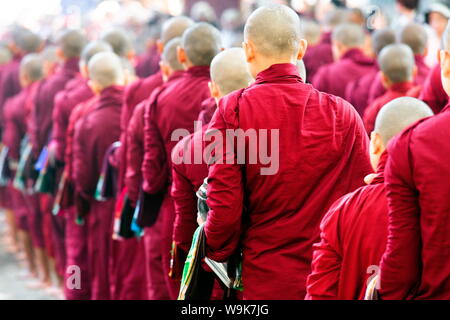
(397, 90)
(357, 92)
(322, 151)
(432, 92)
(93, 136)
(148, 63)
(318, 55)
(415, 263)
(175, 106)
(9, 82)
(353, 237)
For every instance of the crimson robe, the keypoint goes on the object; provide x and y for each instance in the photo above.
(76, 91)
(415, 263)
(209, 106)
(148, 63)
(318, 55)
(176, 106)
(353, 237)
(433, 93)
(93, 136)
(323, 154)
(9, 81)
(397, 90)
(357, 92)
(377, 89)
(335, 77)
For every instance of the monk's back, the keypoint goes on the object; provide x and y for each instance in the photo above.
(322, 156)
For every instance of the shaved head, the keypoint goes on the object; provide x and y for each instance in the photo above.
(415, 36)
(169, 55)
(335, 18)
(71, 42)
(174, 28)
(119, 41)
(349, 34)
(301, 69)
(398, 114)
(201, 42)
(25, 40)
(49, 54)
(92, 48)
(274, 30)
(202, 11)
(5, 55)
(31, 67)
(229, 71)
(106, 69)
(397, 62)
(382, 38)
(312, 32)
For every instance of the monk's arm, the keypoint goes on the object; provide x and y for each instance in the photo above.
(154, 166)
(225, 199)
(133, 176)
(185, 203)
(400, 263)
(323, 282)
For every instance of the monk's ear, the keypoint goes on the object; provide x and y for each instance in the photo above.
(385, 80)
(164, 70)
(302, 49)
(160, 46)
(131, 54)
(249, 51)
(444, 59)
(181, 54)
(94, 87)
(60, 54)
(214, 90)
(415, 71)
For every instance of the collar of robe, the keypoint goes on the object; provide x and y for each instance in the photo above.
(357, 56)
(199, 71)
(379, 178)
(283, 72)
(176, 75)
(402, 87)
(446, 108)
(71, 65)
(326, 38)
(110, 96)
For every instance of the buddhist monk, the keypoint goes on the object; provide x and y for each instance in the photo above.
(414, 265)
(350, 61)
(229, 72)
(357, 92)
(73, 99)
(415, 36)
(120, 43)
(15, 117)
(319, 149)
(397, 66)
(354, 231)
(99, 128)
(321, 54)
(176, 107)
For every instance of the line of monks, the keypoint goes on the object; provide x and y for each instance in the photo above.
(361, 190)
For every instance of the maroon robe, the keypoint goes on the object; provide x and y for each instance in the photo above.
(335, 77)
(93, 136)
(433, 93)
(357, 92)
(148, 63)
(318, 55)
(176, 106)
(323, 154)
(353, 237)
(415, 263)
(9, 81)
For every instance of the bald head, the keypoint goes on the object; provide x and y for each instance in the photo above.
(31, 67)
(349, 34)
(301, 69)
(106, 69)
(415, 36)
(397, 115)
(229, 71)
(26, 41)
(202, 11)
(5, 55)
(71, 42)
(397, 62)
(174, 28)
(312, 32)
(169, 55)
(382, 38)
(119, 41)
(201, 42)
(275, 31)
(92, 48)
(335, 18)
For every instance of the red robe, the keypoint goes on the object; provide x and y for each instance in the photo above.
(148, 63)
(357, 92)
(377, 89)
(76, 91)
(415, 263)
(397, 90)
(93, 136)
(335, 77)
(9, 82)
(176, 106)
(433, 93)
(318, 56)
(323, 154)
(353, 237)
